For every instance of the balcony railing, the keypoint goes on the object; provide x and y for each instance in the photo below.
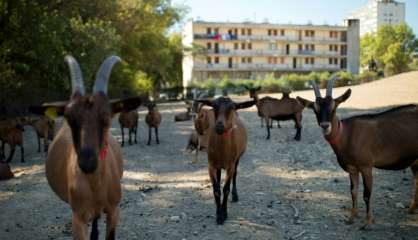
(269, 52)
(264, 66)
(229, 37)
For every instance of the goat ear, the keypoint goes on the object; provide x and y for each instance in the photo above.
(305, 102)
(244, 104)
(246, 87)
(52, 110)
(205, 102)
(343, 97)
(258, 88)
(127, 104)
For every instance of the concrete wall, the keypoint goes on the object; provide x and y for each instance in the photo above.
(353, 46)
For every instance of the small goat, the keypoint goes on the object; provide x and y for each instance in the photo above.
(387, 140)
(129, 120)
(153, 120)
(84, 164)
(44, 128)
(283, 109)
(227, 141)
(11, 133)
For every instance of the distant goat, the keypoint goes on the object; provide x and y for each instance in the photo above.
(129, 120)
(387, 140)
(198, 140)
(227, 141)
(44, 128)
(84, 166)
(11, 133)
(153, 120)
(184, 116)
(283, 109)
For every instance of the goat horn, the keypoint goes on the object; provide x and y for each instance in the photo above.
(330, 84)
(316, 89)
(103, 74)
(77, 83)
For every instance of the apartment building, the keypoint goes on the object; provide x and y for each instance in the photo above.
(377, 13)
(249, 50)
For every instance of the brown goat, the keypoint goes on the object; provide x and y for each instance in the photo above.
(129, 120)
(44, 128)
(11, 133)
(227, 141)
(84, 164)
(198, 140)
(387, 140)
(283, 109)
(153, 120)
(5, 172)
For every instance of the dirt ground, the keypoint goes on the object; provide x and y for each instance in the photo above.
(287, 189)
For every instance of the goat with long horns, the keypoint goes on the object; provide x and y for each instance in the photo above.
(84, 164)
(386, 140)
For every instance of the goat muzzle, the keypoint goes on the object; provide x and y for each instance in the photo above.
(87, 160)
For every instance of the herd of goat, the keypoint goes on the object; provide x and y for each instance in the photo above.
(84, 163)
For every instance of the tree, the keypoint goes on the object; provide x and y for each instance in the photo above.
(380, 48)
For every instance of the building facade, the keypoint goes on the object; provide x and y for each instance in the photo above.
(377, 13)
(250, 50)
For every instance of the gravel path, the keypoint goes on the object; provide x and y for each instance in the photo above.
(287, 189)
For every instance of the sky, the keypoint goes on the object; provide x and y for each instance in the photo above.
(283, 11)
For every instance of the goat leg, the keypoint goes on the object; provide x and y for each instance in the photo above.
(22, 153)
(94, 235)
(234, 184)
(262, 121)
(156, 135)
(136, 132)
(79, 226)
(112, 218)
(39, 142)
(298, 124)
(123, 137)
(130, 138)
(149, 136)
(226, 190)
(12, 152)
(414, 200)
(354, 184)
(267, 127)
(215, 177)
(367, 194)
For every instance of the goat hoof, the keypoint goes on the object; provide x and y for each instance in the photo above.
(219, 219)
(234, 197)
(158, 142)
(148, 144)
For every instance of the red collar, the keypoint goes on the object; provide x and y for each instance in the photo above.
(103, 152)
(228, 131)
(334, 139)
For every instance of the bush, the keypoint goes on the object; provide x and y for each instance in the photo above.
(367, 76)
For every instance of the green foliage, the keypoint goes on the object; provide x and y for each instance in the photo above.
(391, 48)
(36, 35)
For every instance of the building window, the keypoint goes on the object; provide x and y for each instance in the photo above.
(282, 60)
(249, 60)
(242, 46)
(249, 32)
(236, 32)
(333, 48)
(209, 60)
(216, 60)
(216, 30)
(236, 46)
(310, 61)
(250, 46)
(243, 31)
(275, 32)
(335, 61)
(269, 32)
(209, 31)
(282, 32)
(243, 60)
(333, 34)
(309, 33)
(209, 46)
